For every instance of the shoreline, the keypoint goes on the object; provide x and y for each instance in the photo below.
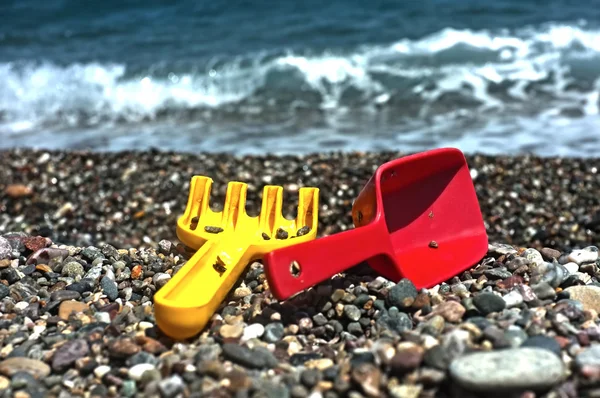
(76, 315)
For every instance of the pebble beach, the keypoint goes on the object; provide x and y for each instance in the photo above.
(86, 239)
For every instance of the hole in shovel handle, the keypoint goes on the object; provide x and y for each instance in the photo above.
(295, 269)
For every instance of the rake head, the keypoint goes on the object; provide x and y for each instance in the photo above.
(269, 230)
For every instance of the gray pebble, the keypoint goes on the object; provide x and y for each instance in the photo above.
(497, 273)
(513, 299)
(94, 273)
(4, 291)
(141, 357)
(11, 275)
(5, 248)
(171, 386)
(62, 295)
(355, 328)
(22, 379)
(544, 291)
(544, 342)
(402, 295)
(310, 377)
(319, 319)
(273, 332)
(72, 269)
(395, 321)
(501, 248)
(352, 312)
(84, 285)
(165, 246)
(90, 253)
(508, 369)
(535, 257)
(160, 279)
(256, 358)
(487, 302)
(589, 357)
(515, 336)
(552, 273)
(208, 352)
(109, 287)
(128, 388)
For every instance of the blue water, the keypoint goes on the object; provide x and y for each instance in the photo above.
(495, 77)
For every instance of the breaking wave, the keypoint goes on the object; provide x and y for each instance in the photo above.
(452, 74)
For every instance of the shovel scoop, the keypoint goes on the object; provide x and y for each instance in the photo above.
(417, 217)
(226, 242)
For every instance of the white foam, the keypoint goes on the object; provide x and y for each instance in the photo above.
(48, 96)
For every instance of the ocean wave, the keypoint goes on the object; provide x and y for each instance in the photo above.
(550, 68)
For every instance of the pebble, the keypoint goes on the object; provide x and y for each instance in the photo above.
(451, 311)
(509, 369)
(257, 357)
(254, 331)
(241, 292)
(160, 279)
(544, 342)
(588, 295)
(109, 287)
(588, 254)
(352, 312)
(4, 383)
(501, 248)
(36, 368)
(406, 391)
(487, 303)
(231, 331)
(408, 357)
(552, 273)
(402, 295)
(544, 291)
(533, 256)
(137, 371)
(69, 307)
(123, 347)
(171, 386)
(93, 274)
(273, 332)
(128, 388)
(5, 248)
(72, 269)
(101, 371)
(513, 299)
(66, 355)
(571, 267)
(368, 377)
(549, 253)
(4, 291)
(395, 321)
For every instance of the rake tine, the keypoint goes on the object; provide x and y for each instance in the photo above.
(308, 202)
(198, 197)
(272, 202)
(235, 203)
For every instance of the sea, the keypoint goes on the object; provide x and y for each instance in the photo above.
(295, 77)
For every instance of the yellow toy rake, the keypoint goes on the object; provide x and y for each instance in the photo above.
(226, 242)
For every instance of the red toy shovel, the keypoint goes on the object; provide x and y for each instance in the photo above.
(417, 217)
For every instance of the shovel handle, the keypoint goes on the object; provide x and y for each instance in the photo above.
(292, 269)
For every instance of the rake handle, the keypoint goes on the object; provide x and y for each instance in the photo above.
(318, 260)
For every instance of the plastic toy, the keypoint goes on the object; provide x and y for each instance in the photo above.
(417, 217)
(226, 242)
